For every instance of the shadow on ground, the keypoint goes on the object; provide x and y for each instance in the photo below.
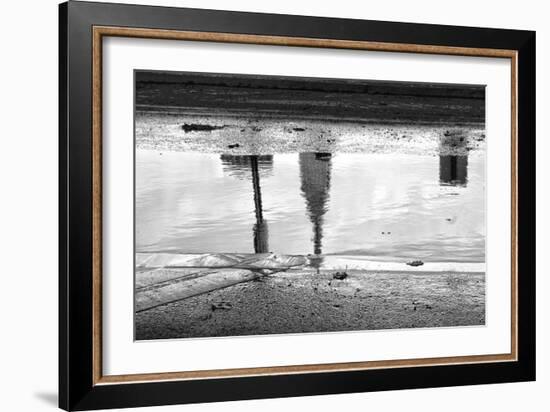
(49, 398)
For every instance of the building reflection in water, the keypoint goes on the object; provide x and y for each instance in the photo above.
(250, 166)
(453, 158)
(315, 176)
(315, 169)
(453, 170)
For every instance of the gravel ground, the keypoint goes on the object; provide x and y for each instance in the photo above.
(304, 301)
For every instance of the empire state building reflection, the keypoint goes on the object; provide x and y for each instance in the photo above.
(315, 171)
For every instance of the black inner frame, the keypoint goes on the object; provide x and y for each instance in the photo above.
(76, 388)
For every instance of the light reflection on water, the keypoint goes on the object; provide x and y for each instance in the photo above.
(379, 205)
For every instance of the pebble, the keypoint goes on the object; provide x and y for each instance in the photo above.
(340, 275)
(415, 263)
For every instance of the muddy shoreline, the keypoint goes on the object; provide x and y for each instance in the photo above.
(305, 301)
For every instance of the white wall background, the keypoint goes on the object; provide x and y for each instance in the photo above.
(28, 203)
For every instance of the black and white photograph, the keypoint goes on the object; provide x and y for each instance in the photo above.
(273, 205)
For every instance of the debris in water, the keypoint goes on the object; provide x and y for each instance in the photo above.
(197, 127)
(415, 263)
(298, 129)
(233, 146)
(340, 275)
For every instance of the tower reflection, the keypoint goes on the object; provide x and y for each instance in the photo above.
(244, 167)
(261, 244)
(315, 170)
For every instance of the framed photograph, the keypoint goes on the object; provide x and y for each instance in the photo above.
(256, 205)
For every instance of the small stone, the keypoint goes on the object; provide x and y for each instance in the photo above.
(340, 275)
(415, 263)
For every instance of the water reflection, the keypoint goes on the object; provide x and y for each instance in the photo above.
(453, 158)
(315, 178)
(245, 167)
(453, 170)
(316, 203)
(315, 185)
(261, 244)
(240, 165)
